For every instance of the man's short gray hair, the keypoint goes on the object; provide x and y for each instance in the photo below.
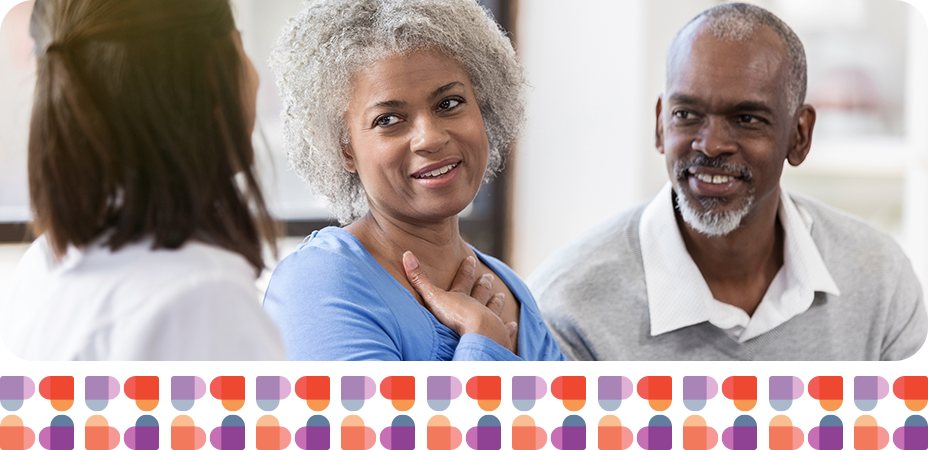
(739, 22)
(322, 48)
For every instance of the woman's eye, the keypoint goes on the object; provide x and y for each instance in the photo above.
(449, 103)
(386, 120)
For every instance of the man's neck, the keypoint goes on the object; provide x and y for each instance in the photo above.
(738, 267)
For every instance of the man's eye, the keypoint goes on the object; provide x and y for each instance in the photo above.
(681, 114)
(449, 103)
(747, 118)
(386, 120)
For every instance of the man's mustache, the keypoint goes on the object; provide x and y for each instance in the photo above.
(681, 168)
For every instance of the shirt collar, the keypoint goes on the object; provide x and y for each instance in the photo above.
(678, 296)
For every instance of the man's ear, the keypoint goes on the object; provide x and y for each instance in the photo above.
(659, 127)
(801, 139)
(348, 158)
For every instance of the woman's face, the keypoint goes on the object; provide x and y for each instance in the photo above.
(417, 138)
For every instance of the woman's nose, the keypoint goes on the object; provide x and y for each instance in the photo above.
(715, 138)
(429, 134)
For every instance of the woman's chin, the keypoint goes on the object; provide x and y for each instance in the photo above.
(425, 207)
(437, 212)
(441, 214)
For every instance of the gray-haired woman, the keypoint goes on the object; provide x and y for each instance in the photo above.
(397, 111)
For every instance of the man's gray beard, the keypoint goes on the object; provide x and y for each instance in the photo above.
(710, 222)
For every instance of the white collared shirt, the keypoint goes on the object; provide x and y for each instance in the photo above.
(678, 296)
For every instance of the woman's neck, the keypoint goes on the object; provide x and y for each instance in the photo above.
(438, 245)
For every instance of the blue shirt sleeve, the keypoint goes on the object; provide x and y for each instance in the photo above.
(327, 311)
(477, 347)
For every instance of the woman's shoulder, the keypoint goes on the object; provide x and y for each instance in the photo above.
(137, 265)
(328, 258)
(331, 300)
(158, 270)
(146, 278)
(195, 302)
(330, 263)
(330, 245)
(95, 290)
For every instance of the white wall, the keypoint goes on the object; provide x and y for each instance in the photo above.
(915, 200)
(596, 69)
(580, 160)
(17, 82)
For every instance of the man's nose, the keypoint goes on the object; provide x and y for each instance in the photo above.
(429, 134)
(715, 138)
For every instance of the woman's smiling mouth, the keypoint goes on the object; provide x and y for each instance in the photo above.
(436, 173)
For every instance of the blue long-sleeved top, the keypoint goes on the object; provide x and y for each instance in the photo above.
(333, 301)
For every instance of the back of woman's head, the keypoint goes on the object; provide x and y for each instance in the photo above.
(140, 129)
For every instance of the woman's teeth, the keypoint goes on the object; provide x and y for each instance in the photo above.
(438, 172)
(714, 179)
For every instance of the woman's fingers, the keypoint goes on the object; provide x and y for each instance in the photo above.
(437, 300)
(417, 278)
(464, 279)
(466, 308)
(496, 303)
(483, 290)
(513, 328)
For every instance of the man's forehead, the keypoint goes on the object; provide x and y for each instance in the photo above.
(701, 64)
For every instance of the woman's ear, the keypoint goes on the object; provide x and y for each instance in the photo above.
(348, 158)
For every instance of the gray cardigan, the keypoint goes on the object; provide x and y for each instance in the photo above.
(592, 294)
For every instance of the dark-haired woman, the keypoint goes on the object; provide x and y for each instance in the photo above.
(142, 185)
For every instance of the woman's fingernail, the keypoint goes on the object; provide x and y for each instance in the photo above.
(487, 281)
(412, 263)
(472, 261)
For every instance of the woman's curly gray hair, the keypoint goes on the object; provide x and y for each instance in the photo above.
(323, 47)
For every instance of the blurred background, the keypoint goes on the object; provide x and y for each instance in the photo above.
(595, 69)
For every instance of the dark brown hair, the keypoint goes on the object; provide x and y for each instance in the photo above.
(139, 129)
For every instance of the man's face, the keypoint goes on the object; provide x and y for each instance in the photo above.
(725, 127)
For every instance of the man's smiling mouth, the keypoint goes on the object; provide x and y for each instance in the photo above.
(714, 179)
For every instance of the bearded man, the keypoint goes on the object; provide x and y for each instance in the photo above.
(724, 264)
